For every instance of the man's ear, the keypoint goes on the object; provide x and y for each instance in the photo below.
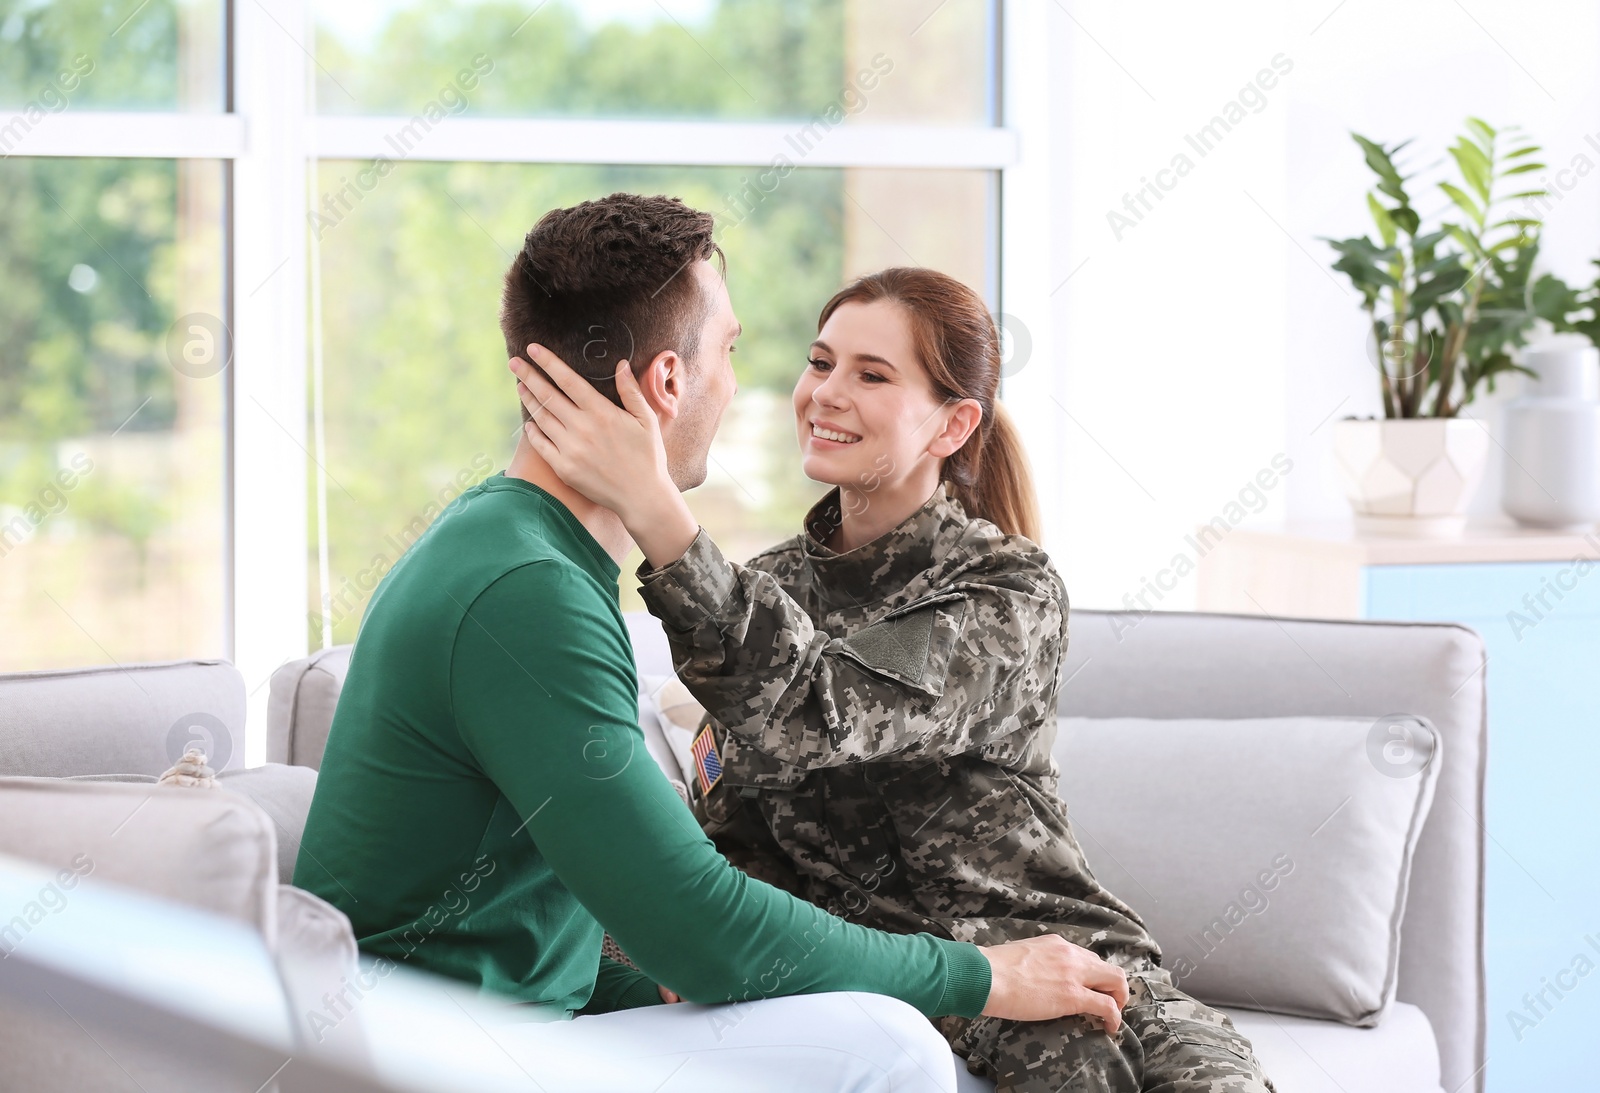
(961, 421)
(662, 383)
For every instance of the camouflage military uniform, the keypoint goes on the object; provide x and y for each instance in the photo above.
(889, 714)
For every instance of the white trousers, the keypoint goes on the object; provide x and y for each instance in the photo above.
(424, 1035)
(842, 1043)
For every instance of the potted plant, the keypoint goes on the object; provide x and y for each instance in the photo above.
(1447, 299)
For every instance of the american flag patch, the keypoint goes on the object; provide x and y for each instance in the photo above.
(707, 763)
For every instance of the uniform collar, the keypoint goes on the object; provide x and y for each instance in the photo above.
(886, 564)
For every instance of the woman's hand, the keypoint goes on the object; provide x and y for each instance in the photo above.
(612, 455)
(667, 996)
(1045, 977)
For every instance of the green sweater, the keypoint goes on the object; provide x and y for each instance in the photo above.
(487, 810)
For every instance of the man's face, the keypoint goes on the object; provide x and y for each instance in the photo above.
(708, 388)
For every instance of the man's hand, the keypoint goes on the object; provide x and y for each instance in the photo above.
(612, 455)
(667, 996)
(1042, 978)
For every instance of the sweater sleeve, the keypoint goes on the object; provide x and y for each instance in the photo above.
(544, 693)
(619, 987)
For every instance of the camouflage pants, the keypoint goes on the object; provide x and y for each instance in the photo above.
(1168, 1043)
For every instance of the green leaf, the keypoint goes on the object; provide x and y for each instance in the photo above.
(1449, 261)
(1554, 300)
(1463, 202)
(1520, 152)
(1381, 160)
(1430, 291)
(1432, 239)
(1467, 241)
(1522, 169)
(1482, 128)
(1474, 166)
(1380, 217)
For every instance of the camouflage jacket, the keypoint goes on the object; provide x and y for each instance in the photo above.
(888, 715)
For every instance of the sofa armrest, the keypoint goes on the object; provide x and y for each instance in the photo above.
(129, 719)
(1192, 665)
(300, 707)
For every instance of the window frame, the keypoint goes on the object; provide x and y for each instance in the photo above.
(270, 141)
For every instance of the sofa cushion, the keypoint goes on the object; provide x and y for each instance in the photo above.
(211, 850)
(1270, 856)
(1399, 1056)
(137, 718)
(318, 962)
(284, 794)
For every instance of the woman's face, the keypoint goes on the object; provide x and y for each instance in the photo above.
(865, 409)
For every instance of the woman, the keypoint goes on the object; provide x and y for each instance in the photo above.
(885, 683)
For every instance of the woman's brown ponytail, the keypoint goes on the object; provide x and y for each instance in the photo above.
(959, 345)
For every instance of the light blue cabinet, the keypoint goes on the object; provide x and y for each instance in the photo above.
(1535, 599)
(1541, 624)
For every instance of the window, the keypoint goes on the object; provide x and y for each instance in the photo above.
(416, 399)
(112, 383)
(275, 358)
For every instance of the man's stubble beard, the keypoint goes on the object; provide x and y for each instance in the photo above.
(691, 447)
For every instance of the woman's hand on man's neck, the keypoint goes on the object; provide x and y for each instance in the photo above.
(662, 528)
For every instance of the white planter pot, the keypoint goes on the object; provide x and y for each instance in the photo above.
(1411, 476)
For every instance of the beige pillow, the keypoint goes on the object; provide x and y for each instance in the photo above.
(210, 850)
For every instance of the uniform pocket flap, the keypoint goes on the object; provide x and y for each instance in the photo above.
(911, 645)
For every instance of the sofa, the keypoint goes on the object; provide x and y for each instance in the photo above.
(1234, 684)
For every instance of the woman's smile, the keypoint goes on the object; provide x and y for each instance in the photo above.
(831, 435)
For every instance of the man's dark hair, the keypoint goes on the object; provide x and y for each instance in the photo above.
(607, 280)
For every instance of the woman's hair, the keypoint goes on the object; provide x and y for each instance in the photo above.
(957, 342)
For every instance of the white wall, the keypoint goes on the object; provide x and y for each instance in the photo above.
(1211, 336)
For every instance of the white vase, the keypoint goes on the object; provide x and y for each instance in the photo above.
(1552, 441)
(1410, 476)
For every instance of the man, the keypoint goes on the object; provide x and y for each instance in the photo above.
(486, 808)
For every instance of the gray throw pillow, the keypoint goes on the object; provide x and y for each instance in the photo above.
(1270, 857)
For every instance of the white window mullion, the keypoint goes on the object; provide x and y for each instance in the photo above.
(805, 143)
(1034, 382)
(269, 460)
(133, 135)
